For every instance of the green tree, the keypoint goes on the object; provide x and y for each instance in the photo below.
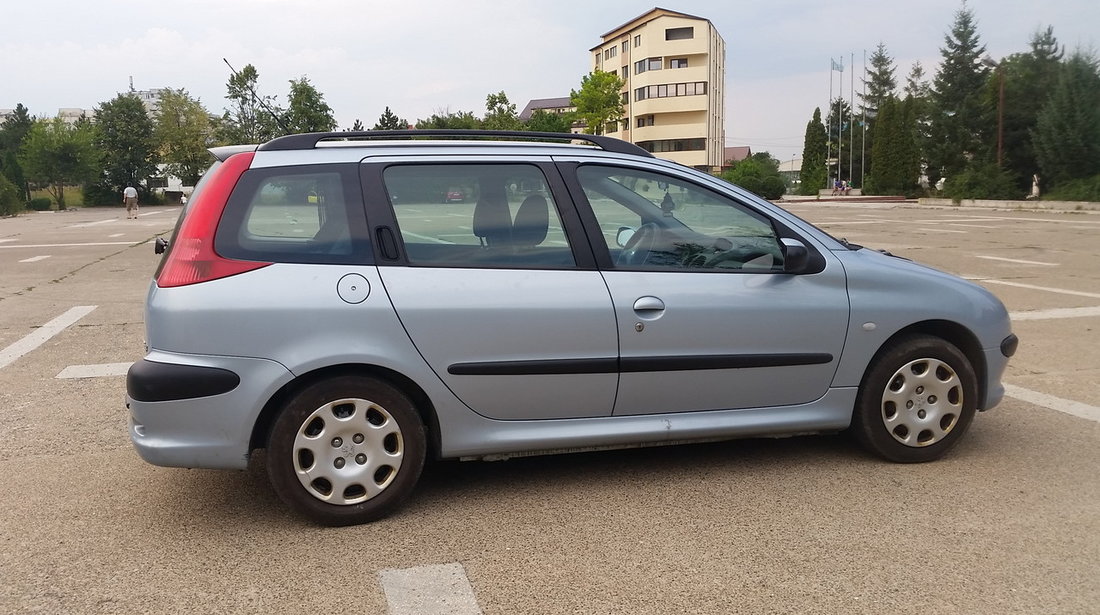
(1028, 78)
(11, 201)
(500, 114)
(919, 92)
(56, 154)
(544, 121)
(1067, 131)
(356, 127)
(879, 84)
(895, 157)
(957, 114)
(444, 119)
(183, 131)
(599, 101)
(389, 121)
(814, 174)
(12, 133)
(758, 174)
(307, 110)
(125, 139)
(251, 118)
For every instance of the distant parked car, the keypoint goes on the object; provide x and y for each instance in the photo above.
(454, 196)
(616, 300)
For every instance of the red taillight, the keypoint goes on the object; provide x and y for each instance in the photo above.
(191, 258)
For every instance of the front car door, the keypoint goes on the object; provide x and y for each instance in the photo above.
(708, 318)
(496, 286)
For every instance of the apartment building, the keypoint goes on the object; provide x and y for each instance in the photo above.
(674, 66)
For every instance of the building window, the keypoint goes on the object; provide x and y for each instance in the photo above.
(642, 66)
(626, 72)
(678, 63)
(655, 64)
(674, 145)
(626, 45)
(626, 97)
(644, 120)
(669, 90)
(679, 34)
(638, 41)
(612, 127)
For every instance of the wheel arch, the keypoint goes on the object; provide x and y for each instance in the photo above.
(958, 335)
(423, 404)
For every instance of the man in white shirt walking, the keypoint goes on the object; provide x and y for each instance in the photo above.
(129, 198)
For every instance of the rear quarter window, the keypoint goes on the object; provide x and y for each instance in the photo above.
(309, 214)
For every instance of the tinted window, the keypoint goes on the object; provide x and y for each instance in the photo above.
(301, 214)
(653, 221)
(477, 215)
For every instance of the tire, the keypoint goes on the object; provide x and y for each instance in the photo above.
(916, 401)
(346, 450)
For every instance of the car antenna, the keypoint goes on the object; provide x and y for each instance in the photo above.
(256, 98)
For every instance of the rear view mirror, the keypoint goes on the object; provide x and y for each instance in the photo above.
(624, 235)
(795, 255)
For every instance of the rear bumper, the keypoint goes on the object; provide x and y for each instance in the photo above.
(195, 411)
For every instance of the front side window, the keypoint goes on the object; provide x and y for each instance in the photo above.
(477, 215)
(657, 222)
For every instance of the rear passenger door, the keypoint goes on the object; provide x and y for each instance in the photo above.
(496, 285)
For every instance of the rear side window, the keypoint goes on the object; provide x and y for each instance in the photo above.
(477, 215)
(297, 215)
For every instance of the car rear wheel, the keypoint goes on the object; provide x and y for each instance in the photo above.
(916, 401)
(346, 450)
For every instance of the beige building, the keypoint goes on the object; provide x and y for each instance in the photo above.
(674, 66)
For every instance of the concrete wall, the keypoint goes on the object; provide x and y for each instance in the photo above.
(1029, 204)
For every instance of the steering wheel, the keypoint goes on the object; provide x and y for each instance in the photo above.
(640, 244)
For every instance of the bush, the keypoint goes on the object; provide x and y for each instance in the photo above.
(982, 181)
(101, 195)
(1086, 189)
(11, 202)
(41, 204)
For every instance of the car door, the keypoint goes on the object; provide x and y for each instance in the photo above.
(708, 317)
(495, 290)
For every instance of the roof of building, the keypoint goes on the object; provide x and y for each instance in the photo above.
(644, 18)
(535, 104)
(736, 153)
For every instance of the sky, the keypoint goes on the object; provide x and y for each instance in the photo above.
(421, 57)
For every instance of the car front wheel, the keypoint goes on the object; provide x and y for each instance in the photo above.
(346, 450)
(916, 401)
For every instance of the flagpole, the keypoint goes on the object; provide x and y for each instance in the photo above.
(863, 140)
(852, 105)
(840, 121)
(828, 141)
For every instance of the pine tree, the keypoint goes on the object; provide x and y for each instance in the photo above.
(880, 85)
(1067, 132)
(389, 121)
(814, 175)
(956, 112)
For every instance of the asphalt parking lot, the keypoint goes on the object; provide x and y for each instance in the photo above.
(1009, 522)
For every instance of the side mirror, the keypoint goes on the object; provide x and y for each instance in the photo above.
(795, 255)
(624, 235)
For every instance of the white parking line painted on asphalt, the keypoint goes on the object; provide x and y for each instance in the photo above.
(115, 235)
(1017, 260)
(942, 230)
(442, 589)
(851, 222)
(7, 240)
(1055, 313)
(160, 211)
(71, 245)
(94, 371)
(1061, 291)
(35, 259)
(974, 225)
(87, 224)
(1067, 406)
(43, 334)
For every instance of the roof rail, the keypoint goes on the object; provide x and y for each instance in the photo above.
(310, 140)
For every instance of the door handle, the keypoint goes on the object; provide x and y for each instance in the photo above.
(649, 304)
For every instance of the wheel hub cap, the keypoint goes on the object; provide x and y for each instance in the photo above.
(922, 402)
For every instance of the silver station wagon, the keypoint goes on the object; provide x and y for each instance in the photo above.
(324, 297)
